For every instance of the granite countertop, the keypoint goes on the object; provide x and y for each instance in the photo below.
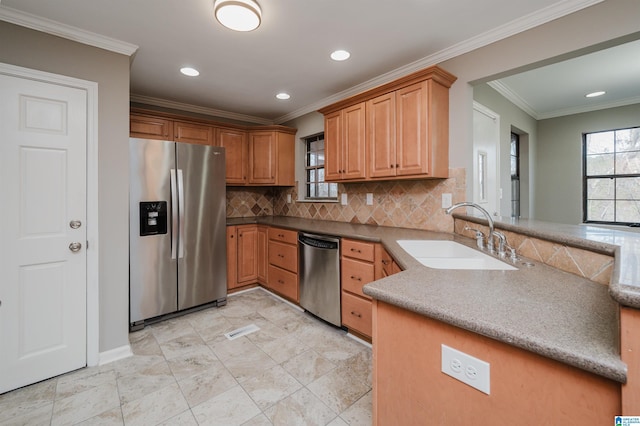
(537, 308)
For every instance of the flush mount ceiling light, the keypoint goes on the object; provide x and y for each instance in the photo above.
(238, 15)
(340, 55)
(283, 96)
(595, 94)
(191, 72)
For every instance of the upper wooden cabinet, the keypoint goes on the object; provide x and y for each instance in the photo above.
(404, 132)
(192, 133)
(345, 143)
(236, 147)
(255, 155)
(271, 158)
(149, 127)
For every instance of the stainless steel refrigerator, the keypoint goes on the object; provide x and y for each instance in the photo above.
(177, 234)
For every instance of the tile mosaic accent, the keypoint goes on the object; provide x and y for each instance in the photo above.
(583, 263)
(404, 203)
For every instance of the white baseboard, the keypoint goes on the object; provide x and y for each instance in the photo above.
(359, 340)
(114, 354)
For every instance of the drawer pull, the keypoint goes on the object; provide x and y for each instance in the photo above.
(281, 255)
(281, 282)
(356, 314)
(385, 262)
(356, 250)
(356, 278)
(281, 235)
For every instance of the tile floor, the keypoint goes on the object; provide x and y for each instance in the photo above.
(295, 370)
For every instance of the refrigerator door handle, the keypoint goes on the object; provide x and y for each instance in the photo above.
(174, 214)
(181, 217)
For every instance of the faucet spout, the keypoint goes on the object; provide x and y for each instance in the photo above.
(486, 214)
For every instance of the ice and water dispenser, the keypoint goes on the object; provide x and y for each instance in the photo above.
(153, 218)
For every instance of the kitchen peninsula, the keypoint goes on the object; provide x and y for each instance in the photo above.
(537, 317)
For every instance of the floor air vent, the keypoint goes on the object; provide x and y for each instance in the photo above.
(242, 331)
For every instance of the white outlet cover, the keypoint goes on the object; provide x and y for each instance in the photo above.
(369, 199)
(343, 199)
(469, 370)
(447, 201)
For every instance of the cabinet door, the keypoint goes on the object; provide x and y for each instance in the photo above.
(142, 126)
(412, 150)
(263, 260)
(381, 135)
(247, 250)
(353, 142)
(236, 154)
(232, 257)
(332, 146)
(262, 157)
(193, 133)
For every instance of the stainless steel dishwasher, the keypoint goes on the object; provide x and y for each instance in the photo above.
(320, 276)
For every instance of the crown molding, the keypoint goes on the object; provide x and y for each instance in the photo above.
(514, 27)
(588, 108)
(163, 103)
(502, 88)
(55, 28)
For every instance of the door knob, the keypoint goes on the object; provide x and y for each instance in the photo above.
(75, 224)
(74, 247)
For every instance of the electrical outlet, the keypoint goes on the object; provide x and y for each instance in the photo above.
(288, 198)
(369, 199)
(446, 201)
(470, 370)
(343, 199)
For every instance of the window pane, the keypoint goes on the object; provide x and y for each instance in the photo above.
(312, 175)
(598, 143)
(628, 211)
(312, 159)
(628, 163)
(312, 190)
(333, 190)
(314, 146)
(600, 189)
(320, 175)
(600, 164)
(320, 158)
(323, 190)
(600, 210)
(514, 166)
(628, 188)
(628, 140)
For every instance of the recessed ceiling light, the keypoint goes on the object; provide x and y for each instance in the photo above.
(595, 94)
(191, 72)
(340, 55)
(283, 96)
(238, 15)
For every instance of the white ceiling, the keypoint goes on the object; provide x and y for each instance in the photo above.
(242, 72)
(559, 89)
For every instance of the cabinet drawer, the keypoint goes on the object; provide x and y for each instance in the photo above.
(358, 250)
(283, 235)
(355, 274)
(356, 313)
(283, 255)
(283, 282)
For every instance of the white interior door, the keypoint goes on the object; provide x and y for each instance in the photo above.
(486, 159)
(43, 134)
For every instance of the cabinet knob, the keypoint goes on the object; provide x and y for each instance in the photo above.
(397, 165)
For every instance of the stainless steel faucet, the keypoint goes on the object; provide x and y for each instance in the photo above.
(490, 245)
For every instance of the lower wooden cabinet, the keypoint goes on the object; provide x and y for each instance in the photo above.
(362, 262)
(283, 263)
(242, 259)
(262, 254)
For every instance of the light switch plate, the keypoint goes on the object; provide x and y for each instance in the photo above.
(470, 370)
(288, 198)
(446, 201)
(369, 199)
(343, 199)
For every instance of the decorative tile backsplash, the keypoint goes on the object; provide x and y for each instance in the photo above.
(405, 203)
(584, 263)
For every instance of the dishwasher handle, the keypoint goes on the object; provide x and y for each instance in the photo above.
(319, 241)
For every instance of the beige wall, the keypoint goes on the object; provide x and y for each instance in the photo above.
(512, 118)
(39, 51)
(574, 34)
(559, 166)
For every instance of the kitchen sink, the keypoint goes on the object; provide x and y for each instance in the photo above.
(444, 254)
